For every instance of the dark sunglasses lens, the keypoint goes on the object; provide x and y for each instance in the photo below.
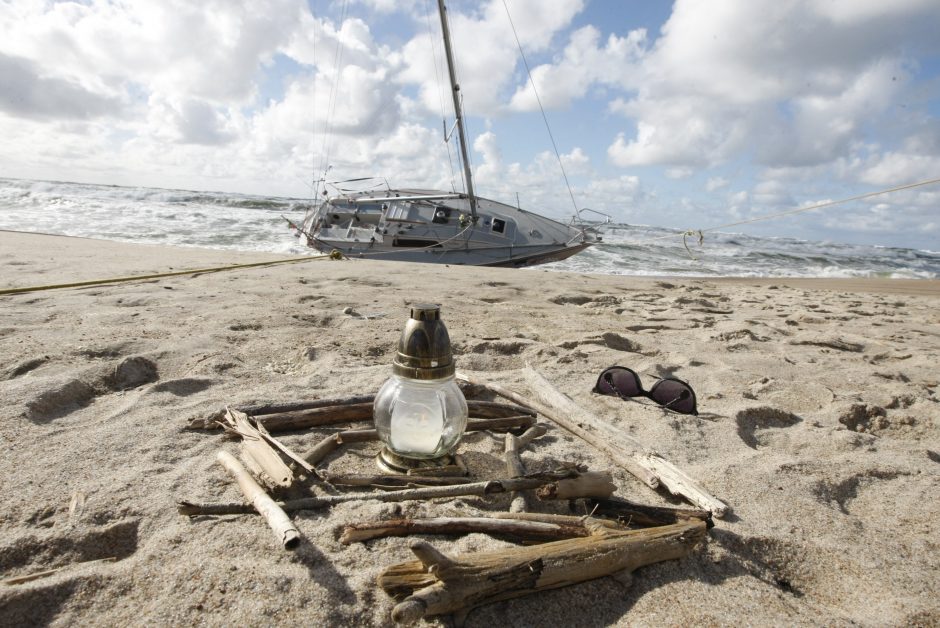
(674, 395)
(620, 381)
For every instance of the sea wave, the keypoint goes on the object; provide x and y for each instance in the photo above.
(251, 222)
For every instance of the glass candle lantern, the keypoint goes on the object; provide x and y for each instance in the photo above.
(420, 413)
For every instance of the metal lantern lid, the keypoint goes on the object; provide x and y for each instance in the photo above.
(424, 348)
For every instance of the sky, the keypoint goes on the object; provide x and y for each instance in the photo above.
(689, 115)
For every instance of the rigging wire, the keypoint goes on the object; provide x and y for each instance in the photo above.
(541, 108)
(334, 92)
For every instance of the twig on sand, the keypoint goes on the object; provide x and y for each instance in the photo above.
(287, 416)
(643, 515)
(333, 442)
(284, 531)
(511, 528)
(565, 484)
(49, 572)
(514, 467)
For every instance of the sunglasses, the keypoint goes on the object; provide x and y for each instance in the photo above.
(669, 392)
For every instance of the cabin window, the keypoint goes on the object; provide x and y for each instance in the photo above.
(499, 225)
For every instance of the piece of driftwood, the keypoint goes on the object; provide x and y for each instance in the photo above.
(36, 575)
(508, 528)
(588, 484)
(285, 417)
(210, 422)
(333, 442)
(643, 515)
(571, 418)
(284, 531)
(316, 417)
(576, 418)
(590, 487)
(306, 404)
(679, 483)
(514, 468)
(437, 584)
(287, 451)
(258, 449)
(392, 481)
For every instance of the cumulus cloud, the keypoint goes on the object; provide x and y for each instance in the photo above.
(789, 100)
(485, 71)
(26, 92)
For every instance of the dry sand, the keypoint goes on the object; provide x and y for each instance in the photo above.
(819, 403)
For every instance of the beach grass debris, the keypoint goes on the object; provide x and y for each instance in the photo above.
(51, 572)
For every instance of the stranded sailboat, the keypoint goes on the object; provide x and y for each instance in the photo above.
(441, 227)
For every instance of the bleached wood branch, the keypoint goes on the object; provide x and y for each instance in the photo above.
(437, 584)
(590, 487)
(569, 417)
(258, 449)
(678, 483)
(284, 531)
(514, 468)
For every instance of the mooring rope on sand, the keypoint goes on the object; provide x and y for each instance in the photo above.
(196, 271)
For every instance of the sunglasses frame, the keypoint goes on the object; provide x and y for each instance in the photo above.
(643, 392)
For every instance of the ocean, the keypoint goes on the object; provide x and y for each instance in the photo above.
(244, 222)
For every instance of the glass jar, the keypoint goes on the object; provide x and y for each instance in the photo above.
(420, 418)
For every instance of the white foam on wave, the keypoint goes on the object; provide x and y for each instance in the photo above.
(244, 222)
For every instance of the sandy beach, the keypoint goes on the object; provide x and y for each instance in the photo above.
(818, 426)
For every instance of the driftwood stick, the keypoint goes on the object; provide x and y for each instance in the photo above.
(565, 418)
(258, 449)
(459, 584)
(307, 404)
(598, 484)
(510, 528)
(331, 415)
(678, 483)
(332, 442)
(287, 451)
(481, 489)
(643, 515)
(327, 415)
(210, 422)
(392, 481)
(514, 467)
(285, 417)
(284, 531)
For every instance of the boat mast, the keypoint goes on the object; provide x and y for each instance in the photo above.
(455, 90)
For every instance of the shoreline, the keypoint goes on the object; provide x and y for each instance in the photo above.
(152, 258)
(818, 403)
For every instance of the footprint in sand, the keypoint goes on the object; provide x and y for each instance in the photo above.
(38, 603)
(753, 422)
(842, 493)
